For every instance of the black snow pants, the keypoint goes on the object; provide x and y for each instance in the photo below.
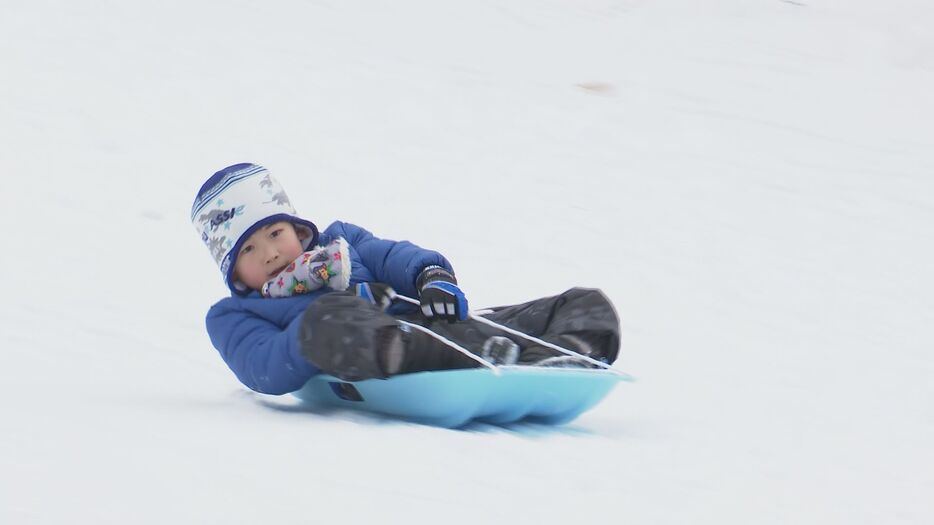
(346, 336)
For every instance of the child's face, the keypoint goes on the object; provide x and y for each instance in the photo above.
(266, 253)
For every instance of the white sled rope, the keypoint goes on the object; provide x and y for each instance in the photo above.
(453, 345)
(508, 330)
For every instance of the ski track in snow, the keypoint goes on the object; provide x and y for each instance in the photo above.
(751, 183)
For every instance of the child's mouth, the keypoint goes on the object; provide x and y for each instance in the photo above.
(277, 272)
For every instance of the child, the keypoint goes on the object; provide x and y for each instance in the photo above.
(304, 302)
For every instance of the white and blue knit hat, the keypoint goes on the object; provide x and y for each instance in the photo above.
(234, 203)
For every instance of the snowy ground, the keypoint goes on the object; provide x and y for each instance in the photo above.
(751, 182)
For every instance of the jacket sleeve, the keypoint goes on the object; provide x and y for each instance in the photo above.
(396, 263)
(263, 356)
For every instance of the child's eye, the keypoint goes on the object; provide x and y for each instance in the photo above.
(247, 249)
(275, 233)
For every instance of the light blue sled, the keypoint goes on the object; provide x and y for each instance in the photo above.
(453, 398)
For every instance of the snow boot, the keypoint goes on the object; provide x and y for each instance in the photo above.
(549, 357)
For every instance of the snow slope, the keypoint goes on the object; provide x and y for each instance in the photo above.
(750, 182)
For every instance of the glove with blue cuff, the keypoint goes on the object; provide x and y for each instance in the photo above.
(380, 294)
(439, 295)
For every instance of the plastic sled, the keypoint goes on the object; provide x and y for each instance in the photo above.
(453, 398)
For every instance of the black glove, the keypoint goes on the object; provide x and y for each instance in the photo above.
(440, 296)
(380, 294)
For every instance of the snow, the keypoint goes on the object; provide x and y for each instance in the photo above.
(750, 182)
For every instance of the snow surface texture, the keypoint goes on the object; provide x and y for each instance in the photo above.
(755, 179)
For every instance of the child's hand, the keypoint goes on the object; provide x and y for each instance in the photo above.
(322, 266)
(380, 294)
(440, 296)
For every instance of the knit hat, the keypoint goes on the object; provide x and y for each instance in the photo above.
(234, 203)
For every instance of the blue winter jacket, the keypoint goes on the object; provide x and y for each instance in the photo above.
(258, 337)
